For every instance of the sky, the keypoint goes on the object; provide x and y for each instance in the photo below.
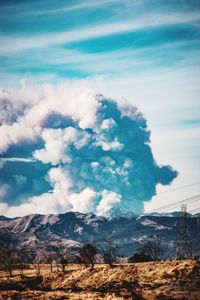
(99, 105)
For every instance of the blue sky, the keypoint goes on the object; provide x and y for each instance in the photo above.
(144, 52)
(89, 38)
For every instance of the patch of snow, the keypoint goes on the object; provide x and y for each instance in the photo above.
(148, 222)
(50, 219)
(78, 229)
(156, 214)
(23, 223)
(142, 238)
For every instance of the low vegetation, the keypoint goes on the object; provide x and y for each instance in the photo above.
(149, 280)
(51, 270)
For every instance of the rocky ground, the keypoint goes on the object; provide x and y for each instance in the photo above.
(152, 280)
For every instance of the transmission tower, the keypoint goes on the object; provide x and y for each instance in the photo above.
(183, 245)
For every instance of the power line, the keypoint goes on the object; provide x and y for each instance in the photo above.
(179, 188)
(176, 204)
(170, 207)
(195, 210)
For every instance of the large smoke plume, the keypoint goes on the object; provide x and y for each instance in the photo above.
(64, 148)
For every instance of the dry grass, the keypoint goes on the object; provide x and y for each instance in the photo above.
(154, 280)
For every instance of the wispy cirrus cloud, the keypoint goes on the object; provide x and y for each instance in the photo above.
(14, 44)
(63, 8)
(79, 6)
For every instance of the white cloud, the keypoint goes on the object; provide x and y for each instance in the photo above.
(13, 159)
(57, 142)
(59, 178)
(107, 146)
(109, 200)
(107, 124)
(95, 164)
(74, 100)
(13, 44)
(55, 147)
(65, 99)
(3, 208)
(71, 8)
(35, 205)
(59, 200)
(15, 133)
(84, 201)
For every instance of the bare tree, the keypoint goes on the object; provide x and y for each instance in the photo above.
(35, 254)
(23, 257)
(62, 255)
(139, 256)
(37, 264)
(87, 254)
(110, 253)
(48, 253)
(8, 249)
(152, 247)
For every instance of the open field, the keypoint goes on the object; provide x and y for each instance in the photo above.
(152, 280)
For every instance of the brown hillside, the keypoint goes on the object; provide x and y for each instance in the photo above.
(153, 280)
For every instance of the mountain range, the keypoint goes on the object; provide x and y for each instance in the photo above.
(127, 233)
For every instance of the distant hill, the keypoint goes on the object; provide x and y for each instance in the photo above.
(3, 218)
(127, 233)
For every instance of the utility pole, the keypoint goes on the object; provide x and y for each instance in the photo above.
(183, 245)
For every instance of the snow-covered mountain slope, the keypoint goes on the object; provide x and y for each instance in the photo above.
(126, 232)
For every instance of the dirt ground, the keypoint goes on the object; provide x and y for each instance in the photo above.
(149, 281)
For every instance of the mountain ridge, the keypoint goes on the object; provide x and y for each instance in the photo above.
(127, 234)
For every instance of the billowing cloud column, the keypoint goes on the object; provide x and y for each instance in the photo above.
(89, 153)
